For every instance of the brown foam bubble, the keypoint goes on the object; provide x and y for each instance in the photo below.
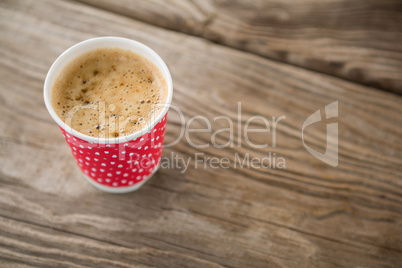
(109, 92)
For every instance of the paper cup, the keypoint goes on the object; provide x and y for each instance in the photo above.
(122, 164)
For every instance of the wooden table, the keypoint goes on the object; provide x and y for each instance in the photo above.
(277, 58)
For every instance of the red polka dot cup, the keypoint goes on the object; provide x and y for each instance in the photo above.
(122, 164)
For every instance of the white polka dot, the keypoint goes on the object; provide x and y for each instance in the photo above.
(93, 169)
(120, 166)
(140, 170)
(103, 164)
(136, 163)
(75, 149)
(97, 153)
(139, 148)
(155, 130)
(89, 147)
(146, 147)
(126, 144)
(87, 158)
(100, 180)
(92, 174)
(86, 171)
(131, 154)
(112, 163)
(68, 135)
(118, 172)
(74, 139)
(144, 155)
(81, 152)
(149, 155)
(96, 159)
(138, 177)
(101, 170)
(123, 181)
(107, 180)
(80, 160)
(106, 152)
(123, 152)
(134, 170)
(141, 139)
(125, 175)
(81, 146)
(114, 183)
(129, 161)
(107, 145)
(152, 139)
(157, 138)
(109, 174)
(86, 163)
(131, 182)
(114, 156)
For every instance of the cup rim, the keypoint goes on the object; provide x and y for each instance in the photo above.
(58, 63)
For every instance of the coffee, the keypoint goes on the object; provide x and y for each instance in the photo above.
(109, 92)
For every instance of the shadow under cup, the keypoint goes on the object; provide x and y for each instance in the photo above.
(122, 164)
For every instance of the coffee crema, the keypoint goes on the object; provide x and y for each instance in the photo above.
(109, 92)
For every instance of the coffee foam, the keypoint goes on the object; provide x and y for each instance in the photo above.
(109, 92)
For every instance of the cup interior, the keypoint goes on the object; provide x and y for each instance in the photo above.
(106, 42)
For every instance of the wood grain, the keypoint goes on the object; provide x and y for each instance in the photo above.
(354, 40)
(306, 215)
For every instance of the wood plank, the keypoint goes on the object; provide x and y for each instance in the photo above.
(358, 41)
(39, 246)
(308, 214)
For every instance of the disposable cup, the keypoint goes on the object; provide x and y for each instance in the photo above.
(122, 164)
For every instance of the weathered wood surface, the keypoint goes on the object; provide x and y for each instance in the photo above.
(306, 215)
(355, 40)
